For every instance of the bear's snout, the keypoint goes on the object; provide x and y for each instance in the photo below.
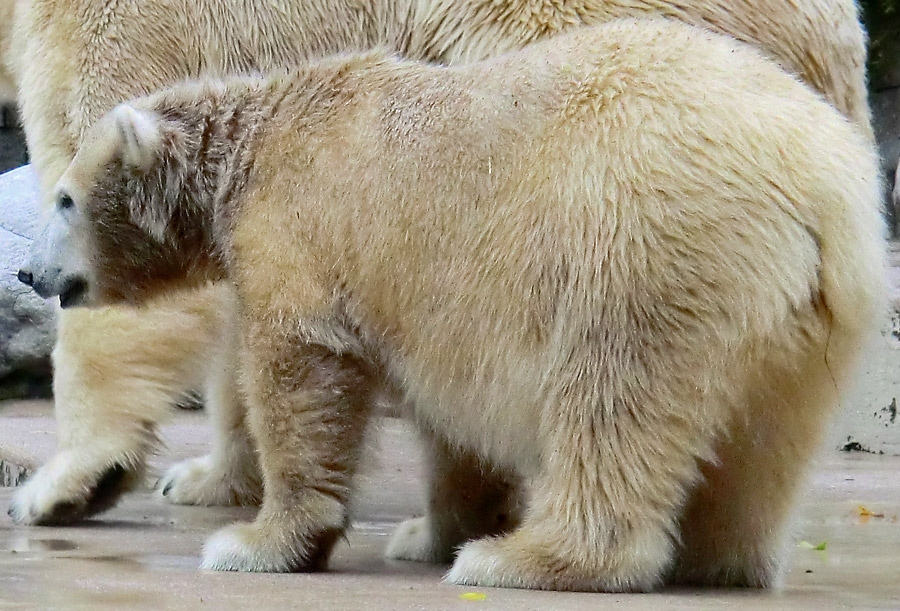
(25, 277)
(55, 265)
(72, 288)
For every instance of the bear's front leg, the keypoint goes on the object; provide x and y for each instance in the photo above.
(307, 409)
(117, 373)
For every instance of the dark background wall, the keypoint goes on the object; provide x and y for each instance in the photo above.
(882, 21)
(12, 141)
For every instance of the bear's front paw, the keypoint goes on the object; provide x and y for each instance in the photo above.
(203, 481)
(256, 548)
(415, 540)
(71, 487)
(241, 547)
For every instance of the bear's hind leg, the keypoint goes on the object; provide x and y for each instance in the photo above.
(307, 409)
(467, 498)
(603, 512)
(735, 524)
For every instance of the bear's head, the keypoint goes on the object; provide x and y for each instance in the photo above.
(131, 216)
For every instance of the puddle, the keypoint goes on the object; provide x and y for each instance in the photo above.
(161, 562)
(26, 544)
(54, 545)
(382, 529)
(111, 599)
(122, 561)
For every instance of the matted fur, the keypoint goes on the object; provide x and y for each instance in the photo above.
(634, 265)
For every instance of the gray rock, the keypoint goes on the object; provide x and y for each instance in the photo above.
(27, 322)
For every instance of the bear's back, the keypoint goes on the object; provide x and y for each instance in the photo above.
(644, 104)
(691, 124)
(621, 153)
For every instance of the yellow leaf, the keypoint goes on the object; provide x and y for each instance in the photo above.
(473, 596)
(865, 513)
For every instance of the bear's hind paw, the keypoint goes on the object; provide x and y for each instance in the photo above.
(509, 562)
(414, 540)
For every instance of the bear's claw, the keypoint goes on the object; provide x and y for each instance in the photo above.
(202, 481)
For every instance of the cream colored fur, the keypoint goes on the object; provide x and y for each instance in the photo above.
(76, 59)
(7, 85)
(633, 265)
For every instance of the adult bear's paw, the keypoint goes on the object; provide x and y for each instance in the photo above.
(204, 481)
(73, 486)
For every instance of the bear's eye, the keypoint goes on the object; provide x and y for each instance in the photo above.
(65, 201)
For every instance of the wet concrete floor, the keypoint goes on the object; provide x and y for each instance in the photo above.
(144, 553)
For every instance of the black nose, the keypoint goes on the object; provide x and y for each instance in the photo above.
(26, 277)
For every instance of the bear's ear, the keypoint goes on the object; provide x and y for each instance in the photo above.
(140, 136)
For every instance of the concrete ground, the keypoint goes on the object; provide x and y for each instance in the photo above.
(144, 553)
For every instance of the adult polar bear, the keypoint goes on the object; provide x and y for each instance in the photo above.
(635, 263)
(118, 370)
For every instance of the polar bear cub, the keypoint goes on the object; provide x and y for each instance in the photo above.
(150, 357)
(634, 264)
